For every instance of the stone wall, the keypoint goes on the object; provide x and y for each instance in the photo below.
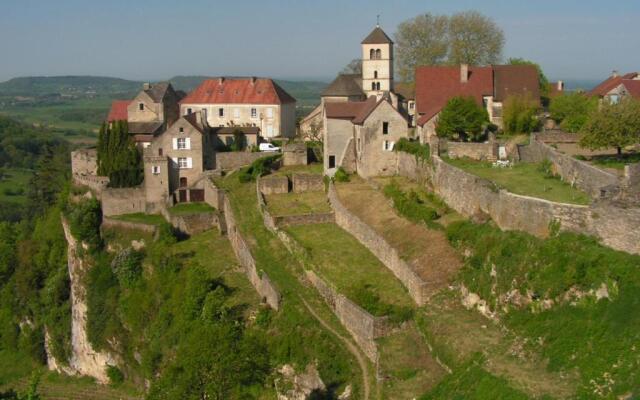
(84, 162)
(631, 183)
(213, 195)
(118, 201)
(578, 173)
(265, 288)
(231, 160)
(94, 182)
(294, 154)
(307, 183)
(303, 219)
(475, 151)
(116, 223)
(192, 224)
(363, 326)
(418, 289)
(273, 184)
(470, 195)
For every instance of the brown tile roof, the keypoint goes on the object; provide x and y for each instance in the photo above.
(377, 36)
(611, 83)
(406, 90)
(436, 85)
(511, 80)
(238, 91)
(118, 111)
(149, 128)
(142, 138)
(158, 91)
(345, 85)
(367, 109)
(344, 109)
(633, 87)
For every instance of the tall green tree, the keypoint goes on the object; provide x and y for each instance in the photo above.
(571, 110)
(118, 156)
(612, 125)
(462, 119)
(520, 115)
(463, 38)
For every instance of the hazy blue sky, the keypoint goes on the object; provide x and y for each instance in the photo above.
(139, 39)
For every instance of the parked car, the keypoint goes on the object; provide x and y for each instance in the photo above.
(268, 147)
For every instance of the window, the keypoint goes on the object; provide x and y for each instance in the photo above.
(378, 54)
(332, 161)
(387, 145)
(181, 130)
(614, 99)
(412, 105)
(375, 74)
(182, 143)
(160, 151)
(373, 86)
(189, 111)
(155, 170)
(269, 112)
(254, 113)
(378, 86)
(220, 112)
(372, 54)
(236, 113)
(141, 106)
(385, 128)
(184, 162)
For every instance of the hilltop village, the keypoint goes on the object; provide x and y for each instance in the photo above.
(399, 239)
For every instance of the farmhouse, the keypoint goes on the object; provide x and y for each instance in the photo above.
(617, 87)
(489, 86)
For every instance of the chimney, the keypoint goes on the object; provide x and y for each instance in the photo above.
(220, 80)
(253, 80)
(560, 86)
(464, 73)
(614, 74)
(146, 86)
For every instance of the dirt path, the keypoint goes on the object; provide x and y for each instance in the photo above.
(350, 346)
(427, 250)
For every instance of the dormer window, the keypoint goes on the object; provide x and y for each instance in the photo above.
(141, 106)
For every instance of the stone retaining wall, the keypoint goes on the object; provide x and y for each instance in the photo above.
(228, 161)
(471, 195)
(192, 224)
(94, 182)
(273, 184)
(363, 326)
(117, 223)
(475, 151)
(263, 285)
(578, 173)
(418, 288)
(84, 162)
(307, 183)
(118, 201)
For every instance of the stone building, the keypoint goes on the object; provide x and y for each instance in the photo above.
(489, 86)
(617, 87)
(244, 102)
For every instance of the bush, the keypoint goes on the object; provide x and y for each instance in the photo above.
(368, 298)
(341, 175)
(461, 119)
(258, 168)
(520, 115)
(412, 147)
(84, 220)
(546, 167)
(410, 205)
(127, 266)
(116, 377)
(572, 110)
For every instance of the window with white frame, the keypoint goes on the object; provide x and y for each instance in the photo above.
(254, 113)
(236, 113)
(269, 112)
(183, 162)
(189, 111)
(387, 145)
(155, 170)
(182, 143)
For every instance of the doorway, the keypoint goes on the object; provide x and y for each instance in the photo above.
(332, 161)
(182, 196)
(183, 182)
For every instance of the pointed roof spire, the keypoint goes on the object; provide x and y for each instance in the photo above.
(377, 36)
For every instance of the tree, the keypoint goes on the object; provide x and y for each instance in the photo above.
(118, 156)
(572, 110)
(544, 82)
(612, 125)
(474, 39)
(462, 118)
(422, 40)
(239, 141)
(354, 67)
(520, 114)
(463, 38)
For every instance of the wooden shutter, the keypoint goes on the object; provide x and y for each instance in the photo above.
(175, 143)
(187, 143)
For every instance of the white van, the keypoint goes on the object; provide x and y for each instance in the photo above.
(268, 147)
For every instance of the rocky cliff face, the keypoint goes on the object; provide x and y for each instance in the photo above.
(84, 359)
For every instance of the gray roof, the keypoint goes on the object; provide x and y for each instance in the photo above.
(144, 127)
(377, 36)
(345, 85)
(158, 91)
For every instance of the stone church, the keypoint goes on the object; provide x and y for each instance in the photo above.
(360, 116)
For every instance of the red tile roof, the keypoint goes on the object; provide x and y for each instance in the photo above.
(118, 111)
(633, 87)
(238, 91)
(344, 109)
(611, 83)
(435, 86)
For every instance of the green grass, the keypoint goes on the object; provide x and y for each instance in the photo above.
(14, 184)
(149, 219)
(190, 208)
(349, 266)
(525, 179)
(311, 169)
(297, 203)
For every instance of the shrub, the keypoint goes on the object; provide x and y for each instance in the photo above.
(410, 205)
(462, 118)
(116, 377)
(341, 175)
(258, 168)
(520, 115)
(84, 221)
(546, 167)
(367, 297)
(127, 266)
(572, 110)
(413, 147)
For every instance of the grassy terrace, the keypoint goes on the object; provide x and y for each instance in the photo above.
(149, 219)
(297, 203)
(295, 336)
(190, 208)
(525, 179)
(313, 169)
(350, 267)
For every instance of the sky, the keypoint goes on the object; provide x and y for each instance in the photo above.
(289, 39)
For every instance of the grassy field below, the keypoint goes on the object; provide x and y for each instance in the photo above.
(14, 184)
(297, 203)
(526, 179)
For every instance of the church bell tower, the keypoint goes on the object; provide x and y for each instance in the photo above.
(377, 63)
